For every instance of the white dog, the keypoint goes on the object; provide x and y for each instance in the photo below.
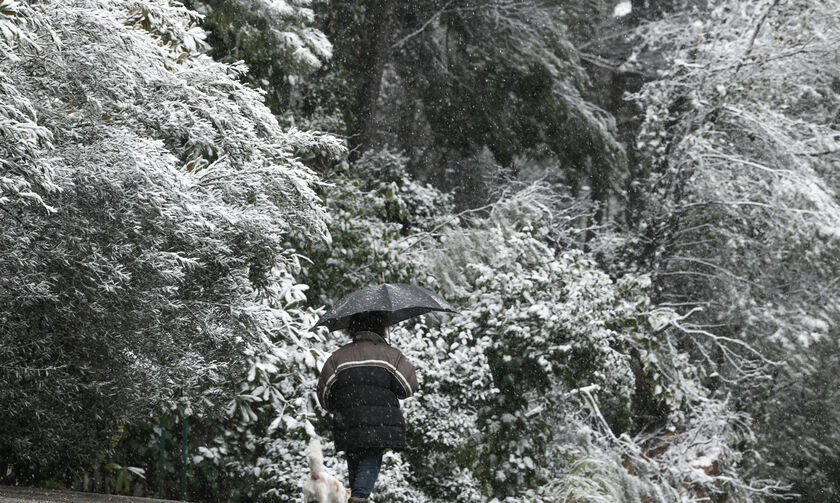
(320, 486)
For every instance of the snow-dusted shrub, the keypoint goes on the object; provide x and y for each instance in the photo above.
(147, 276)
(257, 451)
(376, 213)
(547, 355)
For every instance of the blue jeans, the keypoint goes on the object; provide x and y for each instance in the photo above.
(363, 469)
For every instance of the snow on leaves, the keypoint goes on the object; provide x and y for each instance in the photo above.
(161, 270)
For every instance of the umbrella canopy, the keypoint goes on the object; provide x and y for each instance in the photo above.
(395, 302)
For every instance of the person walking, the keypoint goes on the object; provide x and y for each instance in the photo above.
(361, 384)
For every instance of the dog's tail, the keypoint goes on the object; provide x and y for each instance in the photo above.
(316, 458)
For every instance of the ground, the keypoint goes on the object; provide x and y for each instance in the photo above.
(36, 495)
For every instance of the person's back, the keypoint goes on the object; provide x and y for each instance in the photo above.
(361, 384)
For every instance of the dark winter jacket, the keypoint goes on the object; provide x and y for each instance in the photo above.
(361, 384)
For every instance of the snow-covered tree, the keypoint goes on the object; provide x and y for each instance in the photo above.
(741, 150)
(500, 77)
(276, 38)
(429, 80)
(143, 279)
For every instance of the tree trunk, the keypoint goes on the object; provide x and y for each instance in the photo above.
(375, 47)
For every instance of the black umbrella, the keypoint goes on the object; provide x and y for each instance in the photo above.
(395, 302)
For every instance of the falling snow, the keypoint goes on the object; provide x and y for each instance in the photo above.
(608, 232)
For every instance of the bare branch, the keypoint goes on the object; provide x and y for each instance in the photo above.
(420, 30)
(754, 35)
